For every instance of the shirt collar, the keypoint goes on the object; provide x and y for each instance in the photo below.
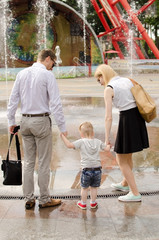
(37, 64)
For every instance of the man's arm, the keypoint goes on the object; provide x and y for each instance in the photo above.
(55, 103)
(12, 106)
(67, 142)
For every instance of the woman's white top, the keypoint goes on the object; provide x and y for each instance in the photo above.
(123, 98)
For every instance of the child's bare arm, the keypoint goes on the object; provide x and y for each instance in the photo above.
(66, 141)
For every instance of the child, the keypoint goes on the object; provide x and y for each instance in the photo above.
(90, 162)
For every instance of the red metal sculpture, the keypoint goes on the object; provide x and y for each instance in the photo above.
(120, 27)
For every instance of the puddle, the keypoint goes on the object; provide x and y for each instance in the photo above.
(65, 165)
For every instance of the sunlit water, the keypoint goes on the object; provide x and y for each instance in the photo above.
(65, 165)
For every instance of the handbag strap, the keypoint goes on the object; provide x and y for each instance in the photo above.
(17, 144)
(133, 81)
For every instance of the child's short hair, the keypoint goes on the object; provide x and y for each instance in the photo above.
(86, 128)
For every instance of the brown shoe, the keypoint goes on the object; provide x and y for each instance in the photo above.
(52, 203)
(30, 204)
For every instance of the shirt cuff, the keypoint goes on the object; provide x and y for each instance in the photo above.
(11, 122)
(62, 128)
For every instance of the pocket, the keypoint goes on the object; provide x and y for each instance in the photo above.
(24, 126)
(40, 126)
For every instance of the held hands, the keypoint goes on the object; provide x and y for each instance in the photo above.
(65, 140)
(63, 133)
(108, 147)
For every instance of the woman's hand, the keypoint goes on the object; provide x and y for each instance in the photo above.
(108, 147)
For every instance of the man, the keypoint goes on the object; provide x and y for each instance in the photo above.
(37, 91)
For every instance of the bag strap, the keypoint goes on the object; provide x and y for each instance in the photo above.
(133, 81)
(17, 144)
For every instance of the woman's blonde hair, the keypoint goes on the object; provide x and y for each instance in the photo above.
(86, 128)
(106, 72)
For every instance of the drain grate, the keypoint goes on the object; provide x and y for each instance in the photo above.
(72, 197)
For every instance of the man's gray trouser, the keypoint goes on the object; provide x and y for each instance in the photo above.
(37, 140)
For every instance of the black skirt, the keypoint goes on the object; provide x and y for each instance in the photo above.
(132, 132)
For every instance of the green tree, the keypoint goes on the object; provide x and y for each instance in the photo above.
(150, 20)
(72, 3)
(93, 19)
(91, 15)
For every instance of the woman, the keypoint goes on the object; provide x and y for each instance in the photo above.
(132, 133)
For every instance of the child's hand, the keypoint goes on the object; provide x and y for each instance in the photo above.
(65, 140)
(63, 134)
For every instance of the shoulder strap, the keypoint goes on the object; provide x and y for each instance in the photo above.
(133, 81)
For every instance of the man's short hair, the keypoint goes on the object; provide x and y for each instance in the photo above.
(43, 54)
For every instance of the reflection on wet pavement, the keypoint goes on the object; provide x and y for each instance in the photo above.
(65, 165)
(112, 220)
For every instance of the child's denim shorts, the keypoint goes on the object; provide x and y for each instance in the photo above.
(91, 177)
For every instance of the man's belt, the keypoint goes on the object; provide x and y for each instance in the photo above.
(36, 115)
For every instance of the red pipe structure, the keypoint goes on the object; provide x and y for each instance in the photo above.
(126, 30)
(140, 27)
(106, 27)
(145, 6)
(120, 28)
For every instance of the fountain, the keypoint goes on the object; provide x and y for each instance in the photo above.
(5, 24)
(57, 53)
(44, 24)
(82, 100)
(44, 16)
(84, 32)
(58, 59)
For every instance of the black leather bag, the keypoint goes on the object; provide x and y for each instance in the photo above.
(12, 169)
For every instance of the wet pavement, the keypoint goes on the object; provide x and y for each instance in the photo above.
(112, 220)
(82, 100)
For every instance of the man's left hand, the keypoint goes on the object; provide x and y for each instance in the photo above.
(11, 129)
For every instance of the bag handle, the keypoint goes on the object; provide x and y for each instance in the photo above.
(17, 144)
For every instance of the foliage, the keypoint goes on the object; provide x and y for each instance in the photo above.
(72, 3)
(150, 21)
(93, 18)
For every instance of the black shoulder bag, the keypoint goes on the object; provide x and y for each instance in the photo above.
(12, 169)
